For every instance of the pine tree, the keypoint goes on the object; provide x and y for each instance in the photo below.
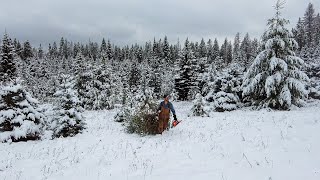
(309, 21)
(134, 77)
(224, 52)
(166, 49)
(246, 50)
(103, 51)
(216, 49)
(17, 48)
(69, 120)
(54, 49)
(229, 53)
(199, 107)
(236, 48)
(7, 62)
(61, 47)
(202, 49)
(104, 95)
(184, 82)
(40, 52)
(210, 51)
(65, 49)
(223, 88)
(19, 119)
(275, 78)
(317, 29)
(27, 51)
(109, 51)
(299, 34)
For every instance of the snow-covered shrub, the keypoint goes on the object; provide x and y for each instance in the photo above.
(223, 101)
(68, 120)
(275, 78)
(200, 107)
(19, 118)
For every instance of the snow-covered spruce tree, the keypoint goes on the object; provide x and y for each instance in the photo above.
(126, 111)
(134, 76)
(19, 118)
(7, 62)
(102, 88)
(227, 98)
(224, 92)
(200, 107)
(84, 81)
(183, 81)
(69, 120)
(208, 78)
(275, 78)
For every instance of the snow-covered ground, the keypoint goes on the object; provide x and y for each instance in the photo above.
(239, 145)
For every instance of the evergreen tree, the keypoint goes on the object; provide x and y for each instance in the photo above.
(183, 82)
(309, 21)
(54, 49)
(166, 49)
(109, 51)
(102, 89)
(103, 50)
(199, 107)
(317, 29)
(61, 47)
(229, 53)
(7, 62)
(210, 51)
(275, 78)
(19, 119)
(18, 48)
(299, 34)
(223, 89)
(246, 50)
(69, 120)
(202, 49)
(134, 77)
(27, 51)
(236, 48)
(224, 52)
(216, 49)
(40, 52)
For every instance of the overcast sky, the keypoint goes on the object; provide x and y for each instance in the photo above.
(137, 21)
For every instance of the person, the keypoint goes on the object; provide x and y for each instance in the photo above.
(164, 113)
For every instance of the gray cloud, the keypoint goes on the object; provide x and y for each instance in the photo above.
(137, 21)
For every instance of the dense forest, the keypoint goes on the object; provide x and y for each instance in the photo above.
(74, 76)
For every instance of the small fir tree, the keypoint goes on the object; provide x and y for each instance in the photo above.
(69, 120)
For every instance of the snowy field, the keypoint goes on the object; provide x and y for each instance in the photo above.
(239, 145)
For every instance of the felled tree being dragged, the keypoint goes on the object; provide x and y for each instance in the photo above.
(19, 119)
(275, 78)
(144, 119)
(69, 120)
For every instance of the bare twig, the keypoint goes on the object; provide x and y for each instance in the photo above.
(247, 160)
